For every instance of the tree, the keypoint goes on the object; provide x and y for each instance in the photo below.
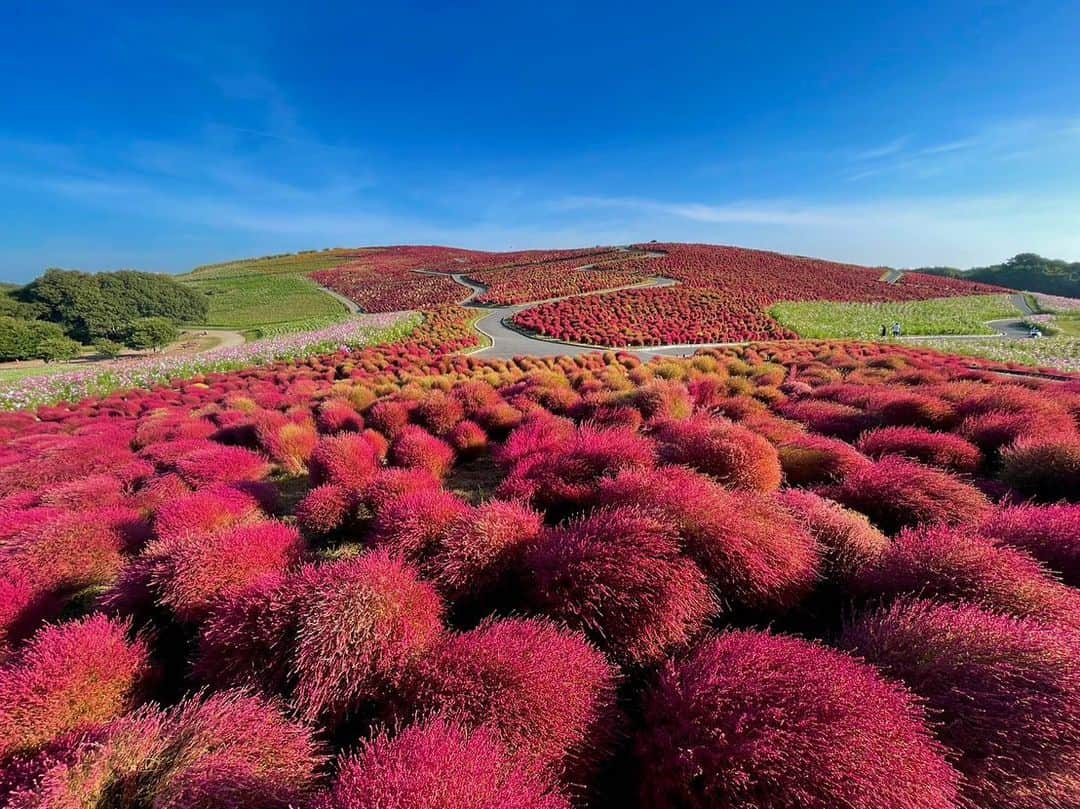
(151, 332)
(20, 339)
(54, 349)
(109, 349)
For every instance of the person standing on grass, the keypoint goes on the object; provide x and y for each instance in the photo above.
(883, 331)
(896, 329)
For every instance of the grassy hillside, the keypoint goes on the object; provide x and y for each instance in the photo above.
(269, 295)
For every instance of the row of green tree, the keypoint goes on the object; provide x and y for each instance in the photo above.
(1026, 271)
(56, 315)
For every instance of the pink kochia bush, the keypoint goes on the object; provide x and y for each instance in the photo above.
(557, 470)
(1046, 468)
(943, 450)
(481, 547)
(415, 448)
(848, 541)
(334, 637)
(442, 766)
(753, 553)
(191, 574)
(958, 566)
(546, 690)
(618, 576)
(206, 511)
(896, 493)
(349, 460)
(753, 719)
(414, 525)
(67, 677)
(1005, 691)
(1049, 533)
(228, 750)
(732, 454)
(810, 459)
(221, 464)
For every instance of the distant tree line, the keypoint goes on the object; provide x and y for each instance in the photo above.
(1026, 271)
(55, 315)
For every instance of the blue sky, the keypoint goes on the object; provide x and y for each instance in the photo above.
(873, 132)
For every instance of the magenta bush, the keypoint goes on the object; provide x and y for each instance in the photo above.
(617, 575)
(810, 459)
(722, 449)
(848, 541)
(415, 525)
(1049, 533)
(1005, 692)
(547, 691)
(415, 448)
(896, 493)
(943, 450)
(442, 766)
(753, 719)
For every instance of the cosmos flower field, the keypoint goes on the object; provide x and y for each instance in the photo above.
(785, 574)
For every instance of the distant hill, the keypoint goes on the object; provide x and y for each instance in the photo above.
(1026, 271)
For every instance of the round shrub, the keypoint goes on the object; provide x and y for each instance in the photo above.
(415, 525)
(390, 484)
(1005, 692)
(439, 413)
(1047, 469)
(810, 459)
(1049, 533)
(753, 553)
(752, 719)
(468, 438)
(546, 690)
(848, 541)
(349, 460)
(482, 546)
(288, 442)
(205, 512)
(69, 676)
(196, 573)
(897, 493)
(218, 463)
(338, 416)
(569, 472)
(728, 452)
(828, 418)
(361, 624)
(415, 448)
(324, 509)
(539, 433)
(961, 567)
(913, 409)
(617, 576)
(389, 418)
(943, 450)
(440, 765)
(224, 751)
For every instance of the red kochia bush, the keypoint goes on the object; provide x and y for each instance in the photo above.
(338, 415)
(414, 525)
(1046, 468)
(810, 459)
(895, 493)
(959, 566)
(324, 509)
(937, 449)
(441, 766)
(225, 751)
(206, 511)
(481, 546)
(752, 719)
(546, 690)
(568, 472)
(68, 677)
(415, 448)
(195, 573)
(1049, 533)
(753, 553)
(349, 460)
(1006, 693)
(221, 464)
(728, 452)
(848, 540)
(617, 576)
(362, 625)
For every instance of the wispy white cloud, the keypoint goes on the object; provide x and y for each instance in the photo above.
(884, 150)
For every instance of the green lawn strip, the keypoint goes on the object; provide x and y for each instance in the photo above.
(962, 315)
(267, 304)
(1062, 353)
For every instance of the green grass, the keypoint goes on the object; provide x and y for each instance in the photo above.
(293, 264)
(261, 304)
(964, 315)
(15, 374)
(1061, 353)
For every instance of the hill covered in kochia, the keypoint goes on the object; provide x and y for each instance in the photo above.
(1027, 271)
